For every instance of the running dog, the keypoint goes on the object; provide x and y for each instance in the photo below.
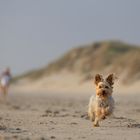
(102, 104)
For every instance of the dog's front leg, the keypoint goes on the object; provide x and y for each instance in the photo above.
(91, 114)
(97, 118)
(96, 122)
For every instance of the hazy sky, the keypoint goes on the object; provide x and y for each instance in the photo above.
(35, 32)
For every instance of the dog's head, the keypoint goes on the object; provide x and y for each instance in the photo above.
(104, 87)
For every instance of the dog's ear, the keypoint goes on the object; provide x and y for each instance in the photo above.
(111, 78)
(98, 78)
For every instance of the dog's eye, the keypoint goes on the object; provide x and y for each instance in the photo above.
(106, 87)
(100, 86)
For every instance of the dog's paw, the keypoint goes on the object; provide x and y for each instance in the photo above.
(96, 125)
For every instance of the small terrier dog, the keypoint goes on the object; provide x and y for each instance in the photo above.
(102, 104)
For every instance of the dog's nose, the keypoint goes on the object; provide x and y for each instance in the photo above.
(104, 92)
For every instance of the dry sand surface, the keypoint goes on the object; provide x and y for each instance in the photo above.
(62, 116)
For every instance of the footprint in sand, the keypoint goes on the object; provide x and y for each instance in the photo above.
(53, 137)
(73, 123)
(2, 127)
(137, 125)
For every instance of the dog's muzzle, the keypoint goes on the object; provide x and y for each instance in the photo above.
(104, 93)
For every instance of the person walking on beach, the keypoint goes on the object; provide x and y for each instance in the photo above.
(5, 79)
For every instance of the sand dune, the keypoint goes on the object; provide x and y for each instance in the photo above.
(68, 82)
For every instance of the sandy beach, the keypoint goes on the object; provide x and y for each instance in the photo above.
(54, 55)
(63, 116)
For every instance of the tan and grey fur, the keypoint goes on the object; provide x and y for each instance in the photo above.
(102, 104)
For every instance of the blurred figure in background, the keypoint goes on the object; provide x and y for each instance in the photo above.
(5, 79)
